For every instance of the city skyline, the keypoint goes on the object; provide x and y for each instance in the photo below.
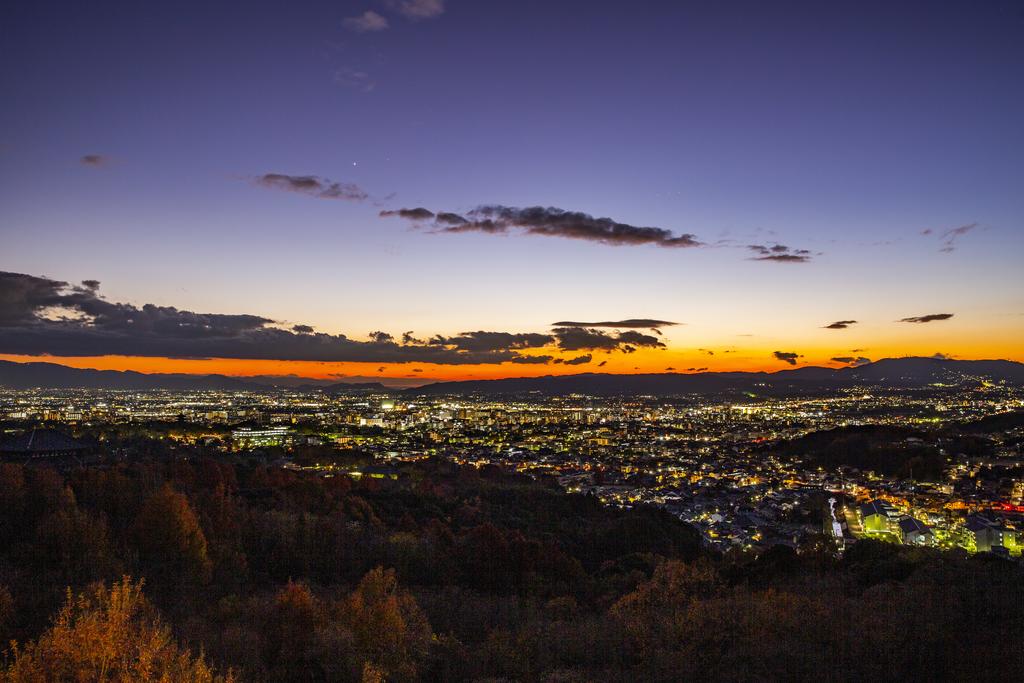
(836, 184)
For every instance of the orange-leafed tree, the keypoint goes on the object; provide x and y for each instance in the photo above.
(289, 638)
(107, 635)
(391, 632)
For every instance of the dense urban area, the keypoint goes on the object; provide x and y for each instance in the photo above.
(936, 466)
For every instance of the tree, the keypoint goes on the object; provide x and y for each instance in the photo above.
(289, 637)
(107, 635)
(673, 585)
(171, 544)
(391, 631)
(74, 548)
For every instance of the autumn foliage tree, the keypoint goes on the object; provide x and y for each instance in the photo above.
(449, 574)
(289, 637)
(107, 635)
(391, 631)
(171, 545)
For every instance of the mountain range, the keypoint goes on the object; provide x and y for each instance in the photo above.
(890, 372)
(54, 376)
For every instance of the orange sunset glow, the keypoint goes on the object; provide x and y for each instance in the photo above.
(725, 359)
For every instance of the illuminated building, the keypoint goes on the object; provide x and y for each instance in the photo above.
(876, 516)
(247, 437)
(915, 532)
(989, 535)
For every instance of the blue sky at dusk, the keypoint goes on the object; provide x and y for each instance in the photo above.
(865, 134)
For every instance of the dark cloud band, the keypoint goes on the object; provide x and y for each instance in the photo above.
(631, 323)
(547, 222)
(931, 317)
(43, 316)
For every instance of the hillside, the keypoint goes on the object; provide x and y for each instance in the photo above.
(458, 574)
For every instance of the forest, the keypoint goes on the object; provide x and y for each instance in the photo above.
(217, 569)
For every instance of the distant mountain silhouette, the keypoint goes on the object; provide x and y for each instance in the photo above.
(54, 376)
(890, 372)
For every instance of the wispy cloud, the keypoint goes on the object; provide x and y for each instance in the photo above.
(840, 324)
(630, 323)
(94, 160)
(367, 22)
(578, 360)
(417, 9)
(931, 317)
(357, 79)
(779, 252)
(311, 185)
(948, 238)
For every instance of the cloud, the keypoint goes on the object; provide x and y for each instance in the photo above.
(448, 218)
(592, 339)
(852, 361)
(493, 341)
(313, 186)
(707, 351)
(931, 317)
(602, 364)
(550, 222)
(532, 360)
(419, 214)
(357, 79)
(840, 324)
(779, 252)
(578, 360)
(940, 356)
(631, 323)
(786, 356)
(417, 9)
(39, 315)
(367, 22)
(948, 238)
(94, 160)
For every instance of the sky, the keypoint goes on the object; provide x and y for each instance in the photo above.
(262, 188)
